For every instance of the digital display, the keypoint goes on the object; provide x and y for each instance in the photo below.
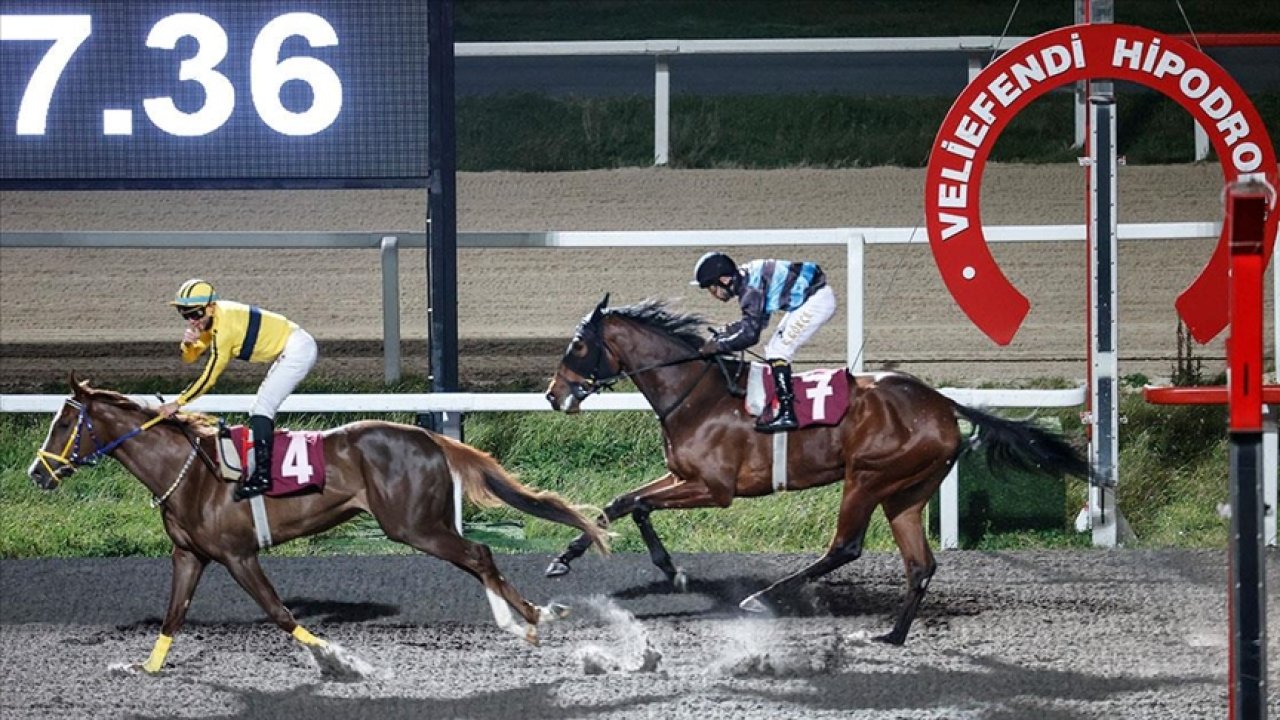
(225, 93)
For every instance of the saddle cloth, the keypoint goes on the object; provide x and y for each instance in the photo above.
(822, 396)
(297, 459)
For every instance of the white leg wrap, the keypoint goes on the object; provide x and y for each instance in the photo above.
(502, 614)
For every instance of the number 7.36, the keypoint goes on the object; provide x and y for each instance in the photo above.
(267, 72)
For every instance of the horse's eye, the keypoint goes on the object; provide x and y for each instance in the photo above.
(578, 347)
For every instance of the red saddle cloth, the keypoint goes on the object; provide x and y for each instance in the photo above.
(297, 459)
(822, 396)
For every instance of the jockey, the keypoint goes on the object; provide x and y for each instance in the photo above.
(762, 286)
(246, 332)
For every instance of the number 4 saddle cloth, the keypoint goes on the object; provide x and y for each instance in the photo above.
(297, 459)
(822, 396)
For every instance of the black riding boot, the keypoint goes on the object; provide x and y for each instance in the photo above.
(264, 430)
(785, 418)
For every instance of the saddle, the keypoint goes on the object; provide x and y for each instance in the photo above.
(822, 396)
(297, 458)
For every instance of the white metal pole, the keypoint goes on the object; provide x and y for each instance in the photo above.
(661, 110)
(390, 309)
(855, 250)
(1202, 142)
(949, 500)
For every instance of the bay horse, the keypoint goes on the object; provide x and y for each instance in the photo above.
(892, 448)
(401, 474)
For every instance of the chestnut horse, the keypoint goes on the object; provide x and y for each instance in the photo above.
(892, 449)
(401, 474)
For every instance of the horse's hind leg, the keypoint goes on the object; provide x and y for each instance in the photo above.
(476, 558)
(908, 533)
(187, 570)
(846, 546)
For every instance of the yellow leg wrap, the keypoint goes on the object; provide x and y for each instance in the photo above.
(301, 635)
(158, 654)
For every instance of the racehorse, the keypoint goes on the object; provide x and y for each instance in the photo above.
(892, 448)
(401, 474)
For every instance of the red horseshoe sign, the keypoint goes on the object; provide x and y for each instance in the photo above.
(1028, 71)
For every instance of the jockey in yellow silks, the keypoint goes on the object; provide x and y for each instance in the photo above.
(228, 330)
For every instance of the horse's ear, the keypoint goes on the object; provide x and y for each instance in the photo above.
(78, 387)
(599, 310)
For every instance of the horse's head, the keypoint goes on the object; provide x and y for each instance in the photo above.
(73, 440)
(587, 365)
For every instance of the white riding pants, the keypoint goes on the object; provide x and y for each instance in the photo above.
(797, 326)
(286, 372)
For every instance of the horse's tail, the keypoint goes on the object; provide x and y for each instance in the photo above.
(486, 483)
(1022, 444)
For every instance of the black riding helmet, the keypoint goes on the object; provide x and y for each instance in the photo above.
(711, 267)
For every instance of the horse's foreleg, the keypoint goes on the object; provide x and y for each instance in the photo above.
(619, 506)
(249, 575)
(657, 551)
(845, 547)
(187, 570)
(908, 532)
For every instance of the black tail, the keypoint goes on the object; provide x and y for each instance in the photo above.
(1022, 444)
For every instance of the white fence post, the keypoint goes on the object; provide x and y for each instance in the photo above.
(661, 110)
(390, 309)
(949, 502)
(855, 305)
(1202, 142)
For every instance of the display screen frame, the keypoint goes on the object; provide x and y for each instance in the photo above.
(175, 94)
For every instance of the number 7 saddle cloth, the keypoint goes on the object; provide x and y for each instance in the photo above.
(822, 396)
(297, 459)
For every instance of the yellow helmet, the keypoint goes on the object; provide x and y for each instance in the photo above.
(193, 293)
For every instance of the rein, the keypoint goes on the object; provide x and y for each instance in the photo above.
(599, 385)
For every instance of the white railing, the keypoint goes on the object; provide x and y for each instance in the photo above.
(978, 48)
(533, 402)
(854, 239)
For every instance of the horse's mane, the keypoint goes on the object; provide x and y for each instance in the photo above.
(199, 422)
(655, 314)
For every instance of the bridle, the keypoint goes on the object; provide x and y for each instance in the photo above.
(71, 459)
(599, 376)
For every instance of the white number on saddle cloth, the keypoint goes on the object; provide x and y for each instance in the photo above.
(819, 392)
(295, 462)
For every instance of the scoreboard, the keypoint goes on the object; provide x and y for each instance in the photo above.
(215, 93)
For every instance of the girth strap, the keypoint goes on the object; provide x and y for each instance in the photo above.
(261, 527)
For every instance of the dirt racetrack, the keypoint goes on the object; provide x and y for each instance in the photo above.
(1061, 635)
(102, 312)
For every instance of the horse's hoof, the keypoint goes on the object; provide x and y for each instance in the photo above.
(557, 568)
(531, 636)
(553, 611)
(680, 581)
(890, 639)
(753, 604)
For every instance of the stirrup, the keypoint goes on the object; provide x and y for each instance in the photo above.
(250, 489)
(778, 423)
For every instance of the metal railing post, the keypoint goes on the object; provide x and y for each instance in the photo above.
(855, 246)
(661, 110)
(390, 309)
